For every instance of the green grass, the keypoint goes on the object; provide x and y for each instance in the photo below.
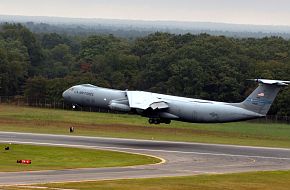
(25, 119)
(48, 158)
(278, 180)
(29, 113)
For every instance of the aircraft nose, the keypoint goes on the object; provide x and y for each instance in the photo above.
(66, 95)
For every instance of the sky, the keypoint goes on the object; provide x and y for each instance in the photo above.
(258, 12)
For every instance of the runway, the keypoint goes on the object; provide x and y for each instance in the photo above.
(181, 158)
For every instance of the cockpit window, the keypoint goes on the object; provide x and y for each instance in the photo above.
(89, 85)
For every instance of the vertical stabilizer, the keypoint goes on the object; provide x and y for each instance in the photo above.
(261, 99)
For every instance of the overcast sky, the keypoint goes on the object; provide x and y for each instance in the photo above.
(262, 12)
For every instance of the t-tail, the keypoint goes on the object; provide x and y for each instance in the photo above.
(261, 99)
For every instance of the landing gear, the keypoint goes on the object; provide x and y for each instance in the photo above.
(158, 121)
(151, 121)
(167, 121)
(154, 121)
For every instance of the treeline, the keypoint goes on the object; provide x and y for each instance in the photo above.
(131, 32)
(86, 30)
(42, 65)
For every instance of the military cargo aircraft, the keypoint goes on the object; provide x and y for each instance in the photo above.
(161, 108)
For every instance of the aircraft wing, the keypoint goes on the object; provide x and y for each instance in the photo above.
(144, 100)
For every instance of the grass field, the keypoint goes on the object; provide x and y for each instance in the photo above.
(25, 119)
(278, 180)
(47, 158)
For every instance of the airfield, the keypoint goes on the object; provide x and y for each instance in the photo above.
(179, 159)
(176, 158)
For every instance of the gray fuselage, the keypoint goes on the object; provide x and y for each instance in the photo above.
(179, 108)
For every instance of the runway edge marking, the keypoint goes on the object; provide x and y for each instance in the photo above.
(112, 179)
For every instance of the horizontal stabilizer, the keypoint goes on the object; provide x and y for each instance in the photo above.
(271, 82)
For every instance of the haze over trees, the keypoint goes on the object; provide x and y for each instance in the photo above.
(43, 65)
(132, 29)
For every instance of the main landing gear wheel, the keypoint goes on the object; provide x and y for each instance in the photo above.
(167, 121)
(158, 121)
(154, 121)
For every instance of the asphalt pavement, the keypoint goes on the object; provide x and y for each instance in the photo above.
(179, 159)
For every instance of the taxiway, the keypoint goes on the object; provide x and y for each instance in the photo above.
(180, 159)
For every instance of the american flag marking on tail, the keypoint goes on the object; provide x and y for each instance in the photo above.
(261, 94)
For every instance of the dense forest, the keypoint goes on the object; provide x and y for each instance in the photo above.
(42, 65)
